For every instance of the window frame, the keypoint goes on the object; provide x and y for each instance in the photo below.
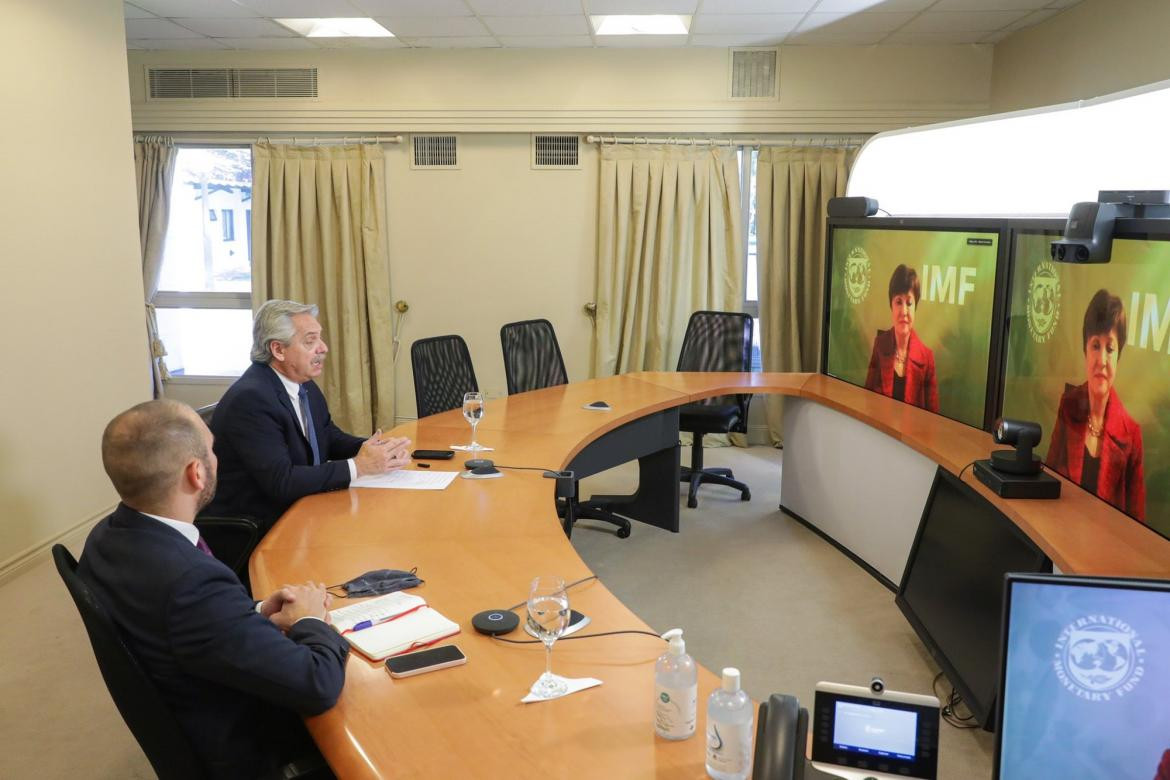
(205, 299)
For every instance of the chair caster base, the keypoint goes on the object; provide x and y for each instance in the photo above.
(623, 533)
(746, 496)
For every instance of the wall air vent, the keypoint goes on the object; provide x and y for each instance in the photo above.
(556, 151)
(754, 74)
(434, 151)
(231, 83)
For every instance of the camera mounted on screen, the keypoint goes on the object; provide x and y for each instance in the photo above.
(1088, 233)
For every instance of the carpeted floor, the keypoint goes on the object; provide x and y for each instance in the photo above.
(751, 587)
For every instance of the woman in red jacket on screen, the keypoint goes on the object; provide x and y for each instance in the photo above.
(900, 365)
(1095, 442)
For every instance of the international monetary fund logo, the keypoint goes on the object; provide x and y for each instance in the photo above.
(857, 275)
(1099, 657)
(1043, 302)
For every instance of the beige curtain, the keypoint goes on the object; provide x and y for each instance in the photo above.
(793, 187)
(669, 243)
(319, 236)
(154, 169)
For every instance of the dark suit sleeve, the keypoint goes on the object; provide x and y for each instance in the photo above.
(341, 445)
(258, 436)
(216, 634)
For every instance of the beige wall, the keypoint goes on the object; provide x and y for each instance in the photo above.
(1092, 49)
(75, 340)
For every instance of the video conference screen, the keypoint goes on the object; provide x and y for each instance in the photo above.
(910, 313)
(1088, 357)
(1086, 675)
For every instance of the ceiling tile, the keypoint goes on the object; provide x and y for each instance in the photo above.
(302, 9)
(823, 37)
(851, 23)
(963, 21)
(414, 7)
(1033, 18)
(431, 27)
(1062, 3)
(599, 7)
(728, 24)
(473, 42)
(757, 6)
(178, 44)
(641, 41)
(267, 44)
(526, 7)
(134, 12)
(904, 36)
(726, 41)
(988, 5)
(356, 43)
(995, 37)
(547, 42)
(853, 6)
(195, 9)
(237, 28)
(157, 29)
(537, 25)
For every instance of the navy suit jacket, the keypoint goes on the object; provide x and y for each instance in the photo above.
(265, 462)
(235, 683)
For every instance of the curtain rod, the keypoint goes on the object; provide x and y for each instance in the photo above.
(315, 140)
(826, 141)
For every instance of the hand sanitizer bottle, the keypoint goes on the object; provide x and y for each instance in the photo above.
(729, 730)
(676, 690)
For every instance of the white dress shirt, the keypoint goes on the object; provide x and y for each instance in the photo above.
(294, 392)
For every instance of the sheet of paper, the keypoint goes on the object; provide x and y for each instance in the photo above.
(407, 479)
(572, 686)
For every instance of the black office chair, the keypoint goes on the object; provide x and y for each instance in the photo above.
(532, 356)
(532, 361)
(138, 700)
(442, 374)
(715, 341)
(142, 707)
(231, 539)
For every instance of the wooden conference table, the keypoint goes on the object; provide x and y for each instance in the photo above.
(479, 543)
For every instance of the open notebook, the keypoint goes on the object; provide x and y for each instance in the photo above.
(392, 624)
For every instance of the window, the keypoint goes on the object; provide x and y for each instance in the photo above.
(748, 158)
(204, 303)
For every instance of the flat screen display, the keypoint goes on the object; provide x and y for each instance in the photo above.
(887, 733)
(952, 589)
(1085, 681)
(909, 314)
(1088, 357)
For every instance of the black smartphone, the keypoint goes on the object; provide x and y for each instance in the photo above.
(420, 661)
(433, 454)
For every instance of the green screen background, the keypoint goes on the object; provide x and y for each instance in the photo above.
(1037, 372)
(959, 336)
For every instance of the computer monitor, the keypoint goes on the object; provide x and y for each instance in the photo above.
(952, 588)
(909, 311)
(1085, 685)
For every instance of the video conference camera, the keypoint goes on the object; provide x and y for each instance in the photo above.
(1016, 473)
(1088, 233)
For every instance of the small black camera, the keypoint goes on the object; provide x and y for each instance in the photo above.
(1025, 435)
(877, 685)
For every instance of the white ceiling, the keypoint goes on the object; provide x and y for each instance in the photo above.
(247, 24)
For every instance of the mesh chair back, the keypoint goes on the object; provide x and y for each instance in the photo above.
(442, 374)
(532, 356)
(719, 341)
(142, 707)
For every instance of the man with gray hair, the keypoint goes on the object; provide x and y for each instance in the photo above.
(274, 438)
(237, 675)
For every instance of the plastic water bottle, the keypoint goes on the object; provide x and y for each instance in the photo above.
(676, 690)
(729, 730)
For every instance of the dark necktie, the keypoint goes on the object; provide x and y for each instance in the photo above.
(310, 431)
(202, 545)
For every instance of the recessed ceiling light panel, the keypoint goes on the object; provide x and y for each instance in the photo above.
(655, 24)
(337, 28)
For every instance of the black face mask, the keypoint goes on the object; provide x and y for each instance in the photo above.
(380, 582)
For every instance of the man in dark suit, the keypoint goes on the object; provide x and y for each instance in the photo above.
(274, 437)
(237, 674)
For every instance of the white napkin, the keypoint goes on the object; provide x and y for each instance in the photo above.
(574, 685)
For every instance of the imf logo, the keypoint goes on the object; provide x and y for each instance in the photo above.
(1043, 302)
(1099, 657)
(857, 275)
